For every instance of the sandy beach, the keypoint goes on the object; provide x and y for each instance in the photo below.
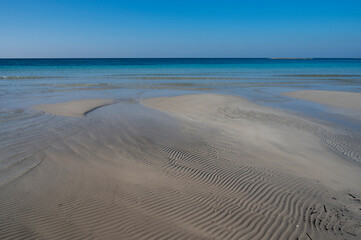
(180, 120)
(201, 166)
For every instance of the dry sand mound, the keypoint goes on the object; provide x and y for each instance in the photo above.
(348, 100)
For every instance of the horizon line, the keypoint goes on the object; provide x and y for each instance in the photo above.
(273, 58)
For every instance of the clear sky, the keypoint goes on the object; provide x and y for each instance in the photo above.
(181, 28)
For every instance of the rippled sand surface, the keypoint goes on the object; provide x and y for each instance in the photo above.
(188, 167)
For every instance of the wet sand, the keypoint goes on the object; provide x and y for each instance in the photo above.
(344, 100)
(188, 167)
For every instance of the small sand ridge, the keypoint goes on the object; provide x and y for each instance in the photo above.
(76, 108)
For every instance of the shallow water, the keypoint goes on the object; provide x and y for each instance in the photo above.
(24, 83)
(253, 78)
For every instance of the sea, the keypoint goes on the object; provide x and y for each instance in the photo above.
(25, 83)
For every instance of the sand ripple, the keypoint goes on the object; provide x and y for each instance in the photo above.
(133, 173)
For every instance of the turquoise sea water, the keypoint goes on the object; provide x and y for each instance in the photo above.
(29, 79)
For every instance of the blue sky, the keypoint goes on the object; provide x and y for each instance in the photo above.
(105, 28)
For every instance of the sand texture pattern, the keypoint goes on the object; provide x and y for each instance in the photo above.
(188, 167)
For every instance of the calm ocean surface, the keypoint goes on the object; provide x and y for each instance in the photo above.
(25, 133)
(30, 79)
